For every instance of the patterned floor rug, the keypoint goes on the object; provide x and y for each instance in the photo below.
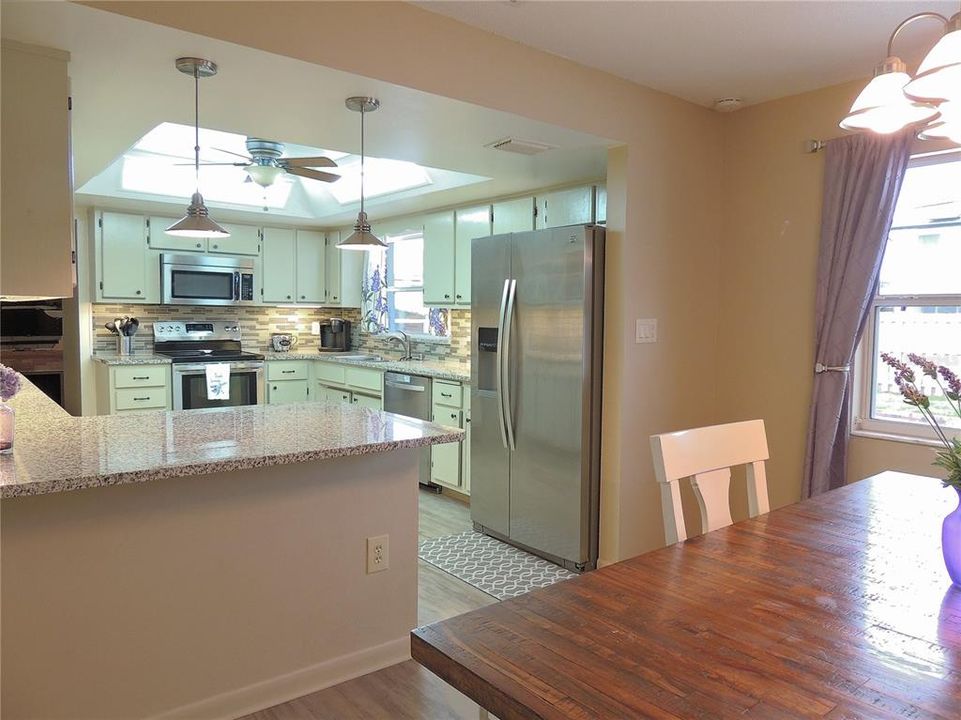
(496, 568)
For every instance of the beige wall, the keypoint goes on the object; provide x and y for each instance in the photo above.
(768, 268)
(664, 218)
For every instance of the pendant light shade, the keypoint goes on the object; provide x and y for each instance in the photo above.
(197, 222)
(947, 126)
(939, 75)
(362, 238)
(882, 106)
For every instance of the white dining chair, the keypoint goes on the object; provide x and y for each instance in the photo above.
(706, 456)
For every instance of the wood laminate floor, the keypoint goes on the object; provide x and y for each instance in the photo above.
(406, 691)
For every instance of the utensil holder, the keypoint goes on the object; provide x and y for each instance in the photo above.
(125, 344)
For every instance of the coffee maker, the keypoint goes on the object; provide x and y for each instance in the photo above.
(335, 335)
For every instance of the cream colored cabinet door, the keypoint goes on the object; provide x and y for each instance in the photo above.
(511, 216)
(279, 263)
(333, 394)
(345, 272)
(334, 262)
(465, 446)
(243, 240)
(367, 401)
(445, 460)
(572, 206)
(284, 392)
(160, 240)
(311, 266)
(439, 263)
(123, 256)
(472, 222)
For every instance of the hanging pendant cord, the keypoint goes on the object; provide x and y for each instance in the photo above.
(197, 127)
(362, 158)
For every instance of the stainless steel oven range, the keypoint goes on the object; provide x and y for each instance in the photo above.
(192, 346)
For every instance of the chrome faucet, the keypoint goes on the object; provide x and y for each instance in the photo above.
(403, 338)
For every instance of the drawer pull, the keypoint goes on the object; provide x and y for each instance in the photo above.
(447, 395)
(139, 377)
(287, 372)
(143, 398)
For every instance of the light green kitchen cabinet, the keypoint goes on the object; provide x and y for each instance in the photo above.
(600, 204)
(284, 392)
(158, 239)
(243, 240)
(439, 264)
(345, 272)
(311, 274)
(511, 216)
(470, 223)
(465, 446)
(279, 265)
(121, 251)
(447, 408)
(331, 394)
(125, 389)
(570, 206)
(367, 401)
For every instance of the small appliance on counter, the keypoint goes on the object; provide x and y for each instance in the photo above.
(335, 335)
(282, 342)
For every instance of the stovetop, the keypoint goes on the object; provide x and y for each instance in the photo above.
(208, 355)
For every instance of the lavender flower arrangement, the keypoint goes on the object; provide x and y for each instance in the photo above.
(904, 377)
(375, 301)
(9, 383)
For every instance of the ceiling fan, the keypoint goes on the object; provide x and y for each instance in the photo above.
(266, 163)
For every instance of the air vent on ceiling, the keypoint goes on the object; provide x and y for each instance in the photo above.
(521, 147)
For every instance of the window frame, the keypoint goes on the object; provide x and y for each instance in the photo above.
(864, 367)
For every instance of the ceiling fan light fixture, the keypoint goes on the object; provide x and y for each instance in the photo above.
(939, 75)
(197, 222)
(264, 175)
(882, 106)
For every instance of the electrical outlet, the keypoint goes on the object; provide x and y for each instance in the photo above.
(378, 553)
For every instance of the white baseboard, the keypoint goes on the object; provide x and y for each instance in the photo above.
(267, 693)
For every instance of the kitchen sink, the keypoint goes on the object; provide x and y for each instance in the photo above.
(364, 357)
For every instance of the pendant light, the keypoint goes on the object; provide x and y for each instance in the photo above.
(197, 222)
(939, 75)
(882, 106)
(362, 238)
(947, 126)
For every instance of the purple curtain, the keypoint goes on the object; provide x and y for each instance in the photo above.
(862, 179)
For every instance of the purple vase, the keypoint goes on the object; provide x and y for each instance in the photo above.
(951, 542)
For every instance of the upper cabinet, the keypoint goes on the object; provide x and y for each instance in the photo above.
(311, 274)
(279, 266)
(121, 249)
(345, 272)
(439, 265)
(158, 239)
(570, 206)
(511, 216)
(600, 204)
(243, 240)
(36, 226)
(470, 223)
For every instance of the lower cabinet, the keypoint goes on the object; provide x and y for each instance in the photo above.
(338, 382)
(287, 382)
(367, 401)
(125, 389)
(447, 461)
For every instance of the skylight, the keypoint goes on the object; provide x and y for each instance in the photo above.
(381, 177)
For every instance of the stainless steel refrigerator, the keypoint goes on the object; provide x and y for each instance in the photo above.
(536, 342)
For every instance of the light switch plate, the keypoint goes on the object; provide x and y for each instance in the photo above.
(645, 330)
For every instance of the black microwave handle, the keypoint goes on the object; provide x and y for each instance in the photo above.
(236, 286)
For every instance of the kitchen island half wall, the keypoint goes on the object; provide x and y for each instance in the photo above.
(206, 563)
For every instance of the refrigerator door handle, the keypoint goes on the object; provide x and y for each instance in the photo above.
(506, 366)
(500, 361)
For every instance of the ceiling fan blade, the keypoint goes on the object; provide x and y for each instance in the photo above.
(310, 162)
(313, 174)
(234, 164)
(231, 152)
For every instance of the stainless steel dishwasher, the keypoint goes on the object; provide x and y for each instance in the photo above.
(409, 395)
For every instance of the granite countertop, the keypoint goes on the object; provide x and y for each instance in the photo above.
(441, 370)
(142, 359)
(56, 452)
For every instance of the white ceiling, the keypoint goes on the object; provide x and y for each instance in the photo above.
(703, 51)
(124, 83)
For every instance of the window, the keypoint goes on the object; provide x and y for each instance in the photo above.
(917, 308)
(394, 290)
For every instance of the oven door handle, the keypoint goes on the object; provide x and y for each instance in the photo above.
(182, 369)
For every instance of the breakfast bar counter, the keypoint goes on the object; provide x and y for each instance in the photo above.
(204, 563)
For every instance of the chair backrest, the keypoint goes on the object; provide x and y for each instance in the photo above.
(706, 456)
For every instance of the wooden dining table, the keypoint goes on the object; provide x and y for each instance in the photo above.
(834, 607)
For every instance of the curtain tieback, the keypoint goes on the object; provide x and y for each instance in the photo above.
(822, 368)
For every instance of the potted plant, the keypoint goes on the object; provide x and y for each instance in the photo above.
(949, 457)
(9, 386)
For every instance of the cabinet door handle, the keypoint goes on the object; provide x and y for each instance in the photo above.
(138, 292)
(288, 297)
(201, 245)
(275, 387)
(215, 246)
(303, 297)
(446, 296)
(459, 297)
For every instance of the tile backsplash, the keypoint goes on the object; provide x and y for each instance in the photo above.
(257, 324)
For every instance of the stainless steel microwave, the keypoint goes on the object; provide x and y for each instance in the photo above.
(207, 280)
